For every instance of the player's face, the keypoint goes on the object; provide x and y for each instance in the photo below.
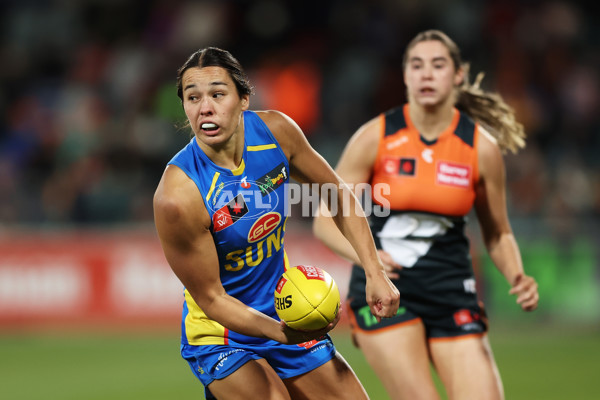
(430, 75)
(212, 104)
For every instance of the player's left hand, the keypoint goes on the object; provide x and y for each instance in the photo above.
(296, 336)
(526, 289)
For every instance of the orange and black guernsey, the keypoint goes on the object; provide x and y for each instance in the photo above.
(435, 177)
(431, 190)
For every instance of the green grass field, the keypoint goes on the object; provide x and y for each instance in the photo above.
(537, 362)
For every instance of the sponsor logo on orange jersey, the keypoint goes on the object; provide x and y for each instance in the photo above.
(453, 174)
(408, 166)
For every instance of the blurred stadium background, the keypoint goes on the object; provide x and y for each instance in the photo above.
(89, 309)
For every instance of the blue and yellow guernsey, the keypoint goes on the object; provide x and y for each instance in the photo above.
(247, 207)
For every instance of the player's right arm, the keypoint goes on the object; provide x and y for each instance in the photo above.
(183, 226)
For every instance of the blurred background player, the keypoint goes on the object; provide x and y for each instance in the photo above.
(209, 224)
(439, 155)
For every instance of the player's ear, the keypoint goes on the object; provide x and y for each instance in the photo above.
(245, 102)
(459, 76)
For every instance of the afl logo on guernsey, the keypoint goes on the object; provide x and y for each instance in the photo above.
(240, 199)
(244, 183)
(263, 226)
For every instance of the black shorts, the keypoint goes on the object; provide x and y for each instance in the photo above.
(442, 305)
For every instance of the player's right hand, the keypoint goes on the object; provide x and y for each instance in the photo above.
(526, 289)
(383, 296)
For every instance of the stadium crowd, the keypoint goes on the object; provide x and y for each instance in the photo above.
(89, 114)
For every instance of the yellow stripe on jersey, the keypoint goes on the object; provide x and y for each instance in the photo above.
(239, 170)
(262, 147)
(212, 185)
(286, 261)
(199, 328)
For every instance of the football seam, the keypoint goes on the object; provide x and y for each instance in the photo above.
(315, 308)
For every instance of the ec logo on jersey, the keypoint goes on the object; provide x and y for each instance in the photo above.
(230, 213)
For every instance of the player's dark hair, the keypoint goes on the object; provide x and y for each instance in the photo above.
(215, 57)
(487, 108)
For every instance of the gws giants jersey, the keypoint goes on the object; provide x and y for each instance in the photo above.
(436, 177)
(248, 211)
(432, 189)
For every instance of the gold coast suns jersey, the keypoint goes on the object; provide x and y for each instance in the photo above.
(248, 209)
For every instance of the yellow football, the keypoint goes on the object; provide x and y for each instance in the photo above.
(306, 298)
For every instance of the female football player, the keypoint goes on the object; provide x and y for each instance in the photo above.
(220, 213)
(429, 162)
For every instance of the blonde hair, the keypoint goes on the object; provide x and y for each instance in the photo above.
(485, 107)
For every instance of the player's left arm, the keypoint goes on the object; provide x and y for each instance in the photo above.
(500, 242)
(308, 166)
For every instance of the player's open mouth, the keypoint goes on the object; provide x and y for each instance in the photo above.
(209, 127)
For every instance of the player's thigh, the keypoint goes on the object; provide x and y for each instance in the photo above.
(333, 380)
(467, 367)
(400, 358)
(253, 380)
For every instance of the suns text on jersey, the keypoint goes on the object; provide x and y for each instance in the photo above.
(255, 253)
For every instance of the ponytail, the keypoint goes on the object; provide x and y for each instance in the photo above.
(492, 112)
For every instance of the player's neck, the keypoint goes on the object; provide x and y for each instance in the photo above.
(229, 153)
(431, 121)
